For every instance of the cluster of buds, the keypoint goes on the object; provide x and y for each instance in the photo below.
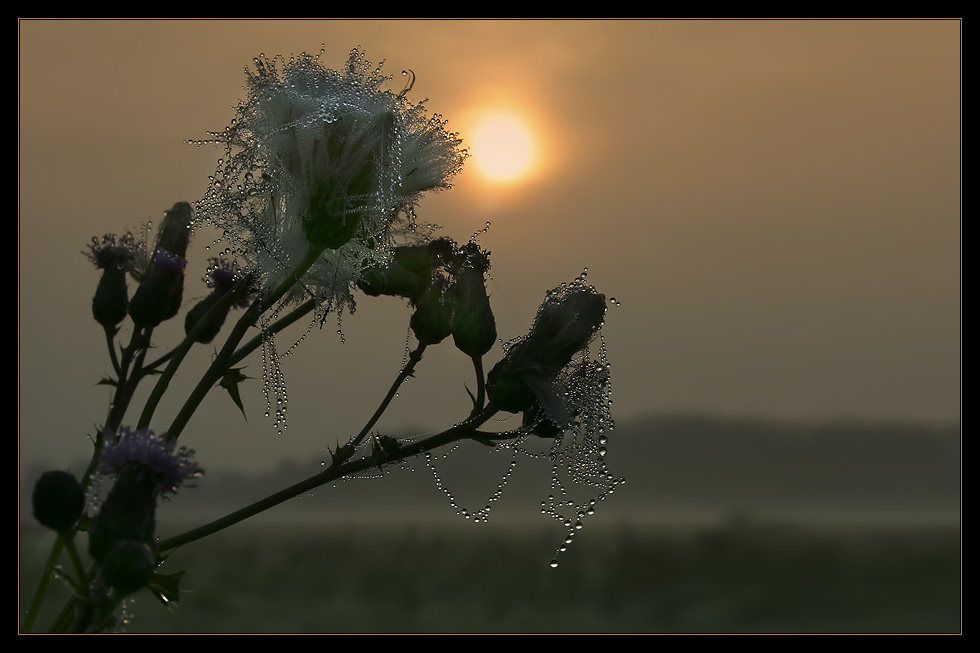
(160, 277)
(445, 284)
(122, 535)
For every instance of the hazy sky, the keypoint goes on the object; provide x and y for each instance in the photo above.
(776, 204)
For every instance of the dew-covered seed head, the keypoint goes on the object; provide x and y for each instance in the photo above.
(328, 159)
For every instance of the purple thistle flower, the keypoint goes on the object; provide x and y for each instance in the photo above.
(151, 456)
(112, 251)
(222, 275)
(170, 261)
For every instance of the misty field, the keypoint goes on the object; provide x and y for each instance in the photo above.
(742, 576)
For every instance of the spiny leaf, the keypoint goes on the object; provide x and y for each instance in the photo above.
(107, 381)
(230, 382)
(166, 587)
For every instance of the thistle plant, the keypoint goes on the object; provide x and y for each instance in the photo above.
(315, 196)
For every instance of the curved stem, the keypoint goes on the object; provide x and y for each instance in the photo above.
(149, 367)
(458, 432)
(407, 371)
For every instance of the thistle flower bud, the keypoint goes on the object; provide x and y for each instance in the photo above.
(128, 514)
(175, 233)
(409, 273)
(114, 257)
(161, 290)
(432, 321)
(145, 466)
(221, 277)
(474, 329)
(215, 322)
(58, 500)
(128, 566)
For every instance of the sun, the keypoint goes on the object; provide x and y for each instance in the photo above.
(502, 148)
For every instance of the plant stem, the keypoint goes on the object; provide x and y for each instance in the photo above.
(275, 327)
(125, 387)
(222, 361)
(42, 586)
(407, 371)
(459, 432)
(178, 354)
(69, 541)
(110, 333)
(481, 387)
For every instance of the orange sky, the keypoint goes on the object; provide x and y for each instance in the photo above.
(775, 203)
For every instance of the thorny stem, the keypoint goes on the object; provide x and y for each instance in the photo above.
(336, 470)
(407, 371)
(178, 354)
(459, 432)
(125, 387)
(223, 360)
(110, 333)
(275, 327)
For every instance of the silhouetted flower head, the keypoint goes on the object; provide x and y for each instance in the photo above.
(110, 251)
(151, 456)
(323, 158)
(211, 312)
(161, 288)
(547, 373)
(58, 500)
(221, 276)
(115, 257)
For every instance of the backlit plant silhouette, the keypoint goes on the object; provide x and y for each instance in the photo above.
(315, 197)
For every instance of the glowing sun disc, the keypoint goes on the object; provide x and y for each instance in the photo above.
(502, 148)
